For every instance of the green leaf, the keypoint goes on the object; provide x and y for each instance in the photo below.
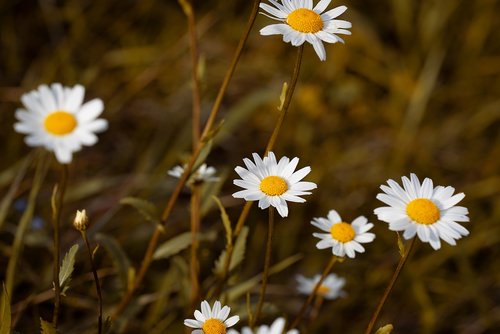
(238, 253)
(387, 329)
(5, 316)
(225, 221)
(401, 245)
(147, 209)
(118, 256)
(284, 91)
(67, 267)
(173, 246)
(46, 327)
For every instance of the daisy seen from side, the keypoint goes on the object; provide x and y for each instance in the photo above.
(211, 320)
(331, 288)
(273, 183)
(56, 118)
(204, 173)
(343, 238)
(301, 22)
(277, 327)
(419, 209)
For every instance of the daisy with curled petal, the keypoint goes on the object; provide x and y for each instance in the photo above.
(277, 327)
(344, 238)
(303, 23)
(57, 119)
(204, 173)
(422, 209)
(211, 320)
(331, 288)
(273, 183)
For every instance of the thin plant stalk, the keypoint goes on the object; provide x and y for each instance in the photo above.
(196, 114)
(272, 140)
(314, 293)
(153, 241)
(389, 287)
(267, 264)
(57, 204)
(26, 218)
(195, 228)
(96, 279)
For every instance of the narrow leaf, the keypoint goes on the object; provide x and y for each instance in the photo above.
(118, 256)
(387, 329)
(284, 90)
(5, 316)
(173, 246)
(225, 221)
(238, 253)
(147, 209)
(46, 327)
(67, 267)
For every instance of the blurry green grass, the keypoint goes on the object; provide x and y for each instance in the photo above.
(416, 88)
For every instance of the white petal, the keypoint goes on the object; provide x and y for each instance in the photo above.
(192, 323)
(275, 29)
(205, 309)
(199, 316)
(63, 155)
(75, 98)
(90, 111)
(333, 13)
(273, 11)
(299, 175)
(321, 6)
(232, 321)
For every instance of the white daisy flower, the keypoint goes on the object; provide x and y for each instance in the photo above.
(422, 209)
(303, 23)
(331, 288)
(57, 119)
(277, 327)
(272, 183)
(344, 238)
(211, 321)
(204, 173)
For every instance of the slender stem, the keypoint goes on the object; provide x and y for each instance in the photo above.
(317, 306)
(153, 241)
(195, 227)
(270, 144)
(288, 99)
(26, 218)
(58, 198)
(303, 309)
(267, 265)
(96, 279)
(193, 44)
(389, 287)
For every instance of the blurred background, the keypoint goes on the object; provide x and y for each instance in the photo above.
(416, 88)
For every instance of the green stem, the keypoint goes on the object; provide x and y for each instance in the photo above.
(57, 204)
(389, 287)
(96, 279)
(267, 264)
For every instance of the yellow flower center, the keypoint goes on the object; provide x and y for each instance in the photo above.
(60, 123)
(273, 186)
(423, 211)
(214, 326)
(342, 232)
(323, 290)
(305, 20)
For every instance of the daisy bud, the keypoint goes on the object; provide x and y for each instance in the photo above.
(81, 222)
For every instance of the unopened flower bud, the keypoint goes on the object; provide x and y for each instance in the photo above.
(81, 222)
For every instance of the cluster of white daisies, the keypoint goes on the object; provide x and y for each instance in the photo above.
(56, 118)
